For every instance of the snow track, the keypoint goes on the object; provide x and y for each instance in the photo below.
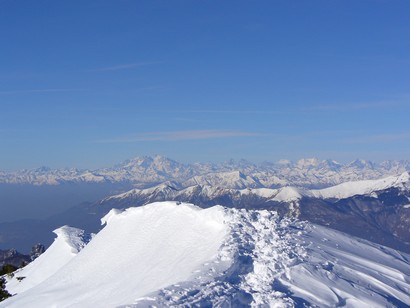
(287, 263)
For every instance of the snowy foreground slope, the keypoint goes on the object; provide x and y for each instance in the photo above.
(166, 254)
(68, 243)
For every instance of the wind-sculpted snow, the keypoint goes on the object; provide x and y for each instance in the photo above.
(140, 250)
(66, 246)
(170, 254)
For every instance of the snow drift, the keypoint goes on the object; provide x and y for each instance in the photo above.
(166, 254)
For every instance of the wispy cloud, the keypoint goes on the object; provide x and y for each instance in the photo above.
(380, 138)
(39, 91)
(180, 136)
(120, 67)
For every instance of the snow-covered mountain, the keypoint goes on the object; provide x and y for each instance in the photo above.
(148, 171)
(368, 187)
(171, 254)
(207, 191)
(376, 210)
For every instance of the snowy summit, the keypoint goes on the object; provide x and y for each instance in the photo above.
(168, 253)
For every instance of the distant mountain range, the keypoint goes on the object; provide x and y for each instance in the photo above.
(376, 210)
(361, 198)
(148, 171)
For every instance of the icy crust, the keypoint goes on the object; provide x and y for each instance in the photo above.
(140, 250)
(66, 246)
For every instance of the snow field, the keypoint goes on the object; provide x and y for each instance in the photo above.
(287, 263)
(164, 254)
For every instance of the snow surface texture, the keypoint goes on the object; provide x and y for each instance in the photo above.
(166, 254)
(284, 263)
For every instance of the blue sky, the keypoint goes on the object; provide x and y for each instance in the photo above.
(91, 83)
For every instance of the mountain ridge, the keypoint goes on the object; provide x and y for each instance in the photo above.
(377, 210)
(215, 257)
(147, 171)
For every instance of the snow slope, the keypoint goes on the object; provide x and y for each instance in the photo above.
(139, 251)
(349, 189)
(289, 194)
(166, 254)
(68, 243)
(284, 263)
(344, 190)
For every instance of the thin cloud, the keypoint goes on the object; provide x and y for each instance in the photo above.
(120, 67)
(40, 91)
(180, 136)
(380, 138)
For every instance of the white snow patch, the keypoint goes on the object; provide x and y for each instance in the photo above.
(289, 193)
(260, 192)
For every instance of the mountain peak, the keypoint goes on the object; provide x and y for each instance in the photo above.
(284, 163)
(308, 162)
(145, 171)
(403, 178)
(362, 163)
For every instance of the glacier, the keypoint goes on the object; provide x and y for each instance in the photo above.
(177, 254)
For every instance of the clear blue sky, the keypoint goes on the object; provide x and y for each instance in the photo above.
(91, 83)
